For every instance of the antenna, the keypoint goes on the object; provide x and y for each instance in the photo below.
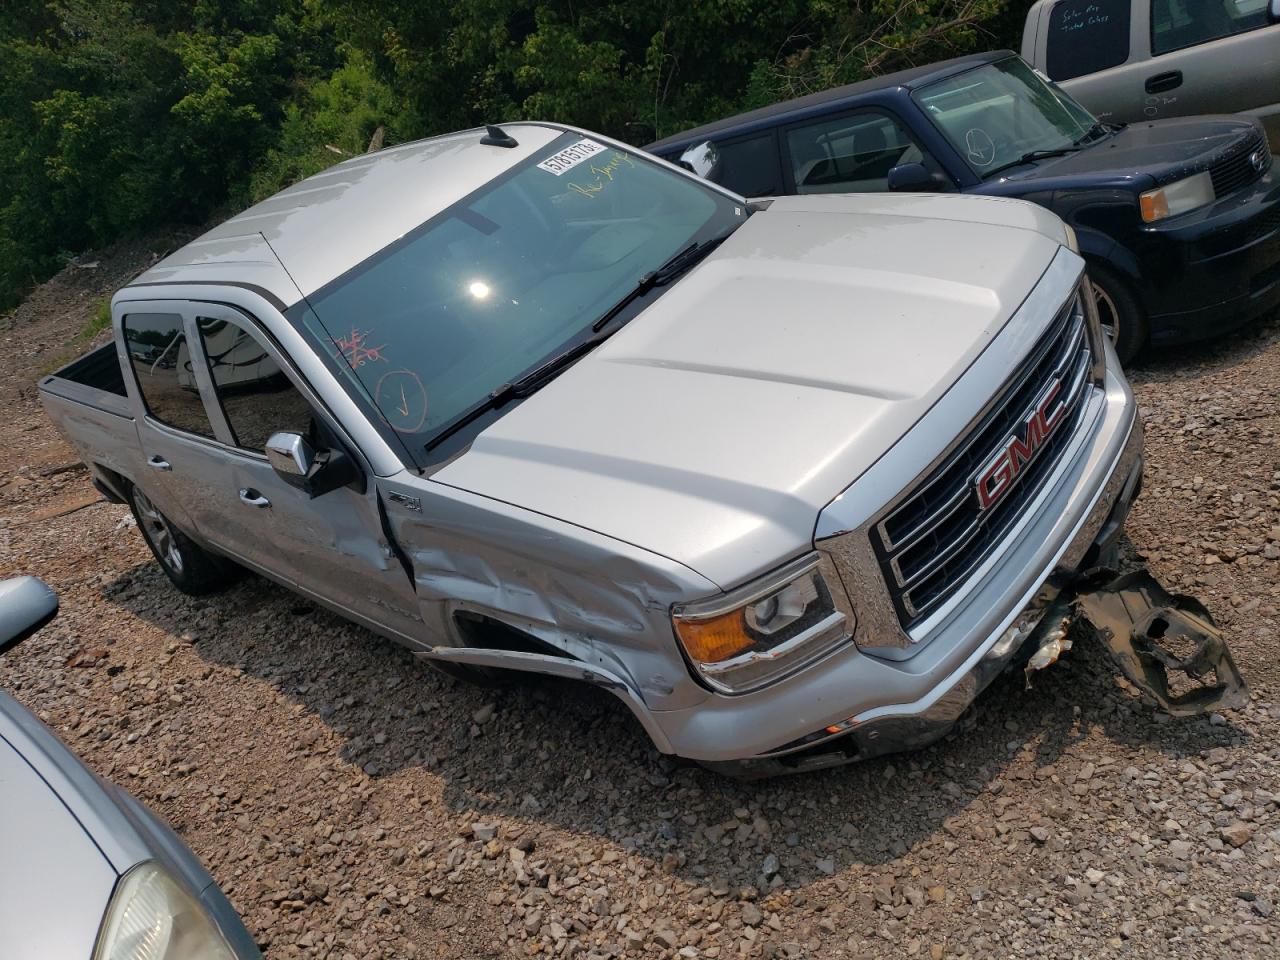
(497, 137)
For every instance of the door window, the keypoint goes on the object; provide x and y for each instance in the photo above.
(851, 154)
(161, 361)
(750, 166)
(1086, 36)
(256, 396)
(1176, 24)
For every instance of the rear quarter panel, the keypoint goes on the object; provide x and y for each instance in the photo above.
(99, 425)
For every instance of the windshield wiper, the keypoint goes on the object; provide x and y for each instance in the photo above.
(676, 265)
(1096, 132)
(517, 389)
(531, 381)
(1031, 157)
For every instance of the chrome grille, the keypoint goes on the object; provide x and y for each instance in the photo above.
(1237, 170)
(931, 542)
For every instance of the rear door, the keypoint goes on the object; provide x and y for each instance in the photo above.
(851, 152)
(175, 432)
(749, 165)
(1096, 50)
(1215, 56)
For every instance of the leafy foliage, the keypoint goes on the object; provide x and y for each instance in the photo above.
(119, 115)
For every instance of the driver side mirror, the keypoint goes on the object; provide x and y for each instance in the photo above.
(26, 605)
(916, 178)
(1273, 11)
(298, 464)
(703, 159)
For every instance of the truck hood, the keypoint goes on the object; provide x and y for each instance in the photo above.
(719, 422)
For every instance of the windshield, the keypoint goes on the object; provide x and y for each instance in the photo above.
(1001, 112)
(506, 278)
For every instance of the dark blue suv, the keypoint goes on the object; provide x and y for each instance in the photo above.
(1179, 219)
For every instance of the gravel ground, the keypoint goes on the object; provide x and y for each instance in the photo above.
(355, 804)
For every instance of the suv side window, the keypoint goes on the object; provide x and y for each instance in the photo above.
(1086, 36)
(1176, 24)
(750, 166)
(256, 396)
(161, 361)
(851, 154)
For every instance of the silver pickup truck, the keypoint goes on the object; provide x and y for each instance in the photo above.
(792, 479)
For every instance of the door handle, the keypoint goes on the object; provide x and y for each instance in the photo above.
(159, 463)
(253, 498)
(1164, 81)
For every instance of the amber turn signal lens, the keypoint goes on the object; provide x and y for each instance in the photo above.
(715, 639)
(1155, 206)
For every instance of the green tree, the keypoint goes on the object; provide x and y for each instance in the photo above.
(120, 115)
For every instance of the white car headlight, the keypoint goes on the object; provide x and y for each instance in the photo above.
(1181, 197)
(756, 634)
(151, 917)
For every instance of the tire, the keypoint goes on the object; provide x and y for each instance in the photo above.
(190, 567)
(1123, 319)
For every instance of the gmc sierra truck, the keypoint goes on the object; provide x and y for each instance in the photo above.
(793, 479)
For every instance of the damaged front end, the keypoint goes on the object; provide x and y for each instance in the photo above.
(1165, 644)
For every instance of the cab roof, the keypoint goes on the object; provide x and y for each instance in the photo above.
(296, 241)
(907, 80)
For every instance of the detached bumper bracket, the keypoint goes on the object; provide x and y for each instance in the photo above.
(1142, 624)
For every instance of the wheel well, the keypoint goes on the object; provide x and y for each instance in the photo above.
(486, 633)
(109, 483)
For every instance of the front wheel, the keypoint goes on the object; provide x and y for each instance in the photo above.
(1123, 320)
(190, 567)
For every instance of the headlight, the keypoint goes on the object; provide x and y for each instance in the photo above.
(151, 917)
(752, 636)
(1176, 198)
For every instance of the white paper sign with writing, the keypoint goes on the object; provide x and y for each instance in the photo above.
(571, 156)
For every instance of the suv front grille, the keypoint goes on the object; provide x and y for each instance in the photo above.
(1231, 173)
(937, 537)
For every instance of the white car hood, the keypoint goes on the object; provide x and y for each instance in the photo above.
(719, 422)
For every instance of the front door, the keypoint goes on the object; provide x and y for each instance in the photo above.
(331, 546)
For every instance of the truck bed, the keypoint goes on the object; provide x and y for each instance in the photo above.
(94, 379)
(89, 405)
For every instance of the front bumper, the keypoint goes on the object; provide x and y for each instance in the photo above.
(855, 705)
(1211, 272)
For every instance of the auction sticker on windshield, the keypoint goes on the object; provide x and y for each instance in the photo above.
(571, 156)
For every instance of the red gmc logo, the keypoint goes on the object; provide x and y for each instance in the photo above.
(999, 473)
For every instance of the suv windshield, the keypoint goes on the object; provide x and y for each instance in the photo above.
(502, 281)
(1001, 114)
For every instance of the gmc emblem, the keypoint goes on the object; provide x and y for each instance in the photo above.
(997, 476)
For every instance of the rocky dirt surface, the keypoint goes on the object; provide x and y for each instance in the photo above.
(355, 804)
